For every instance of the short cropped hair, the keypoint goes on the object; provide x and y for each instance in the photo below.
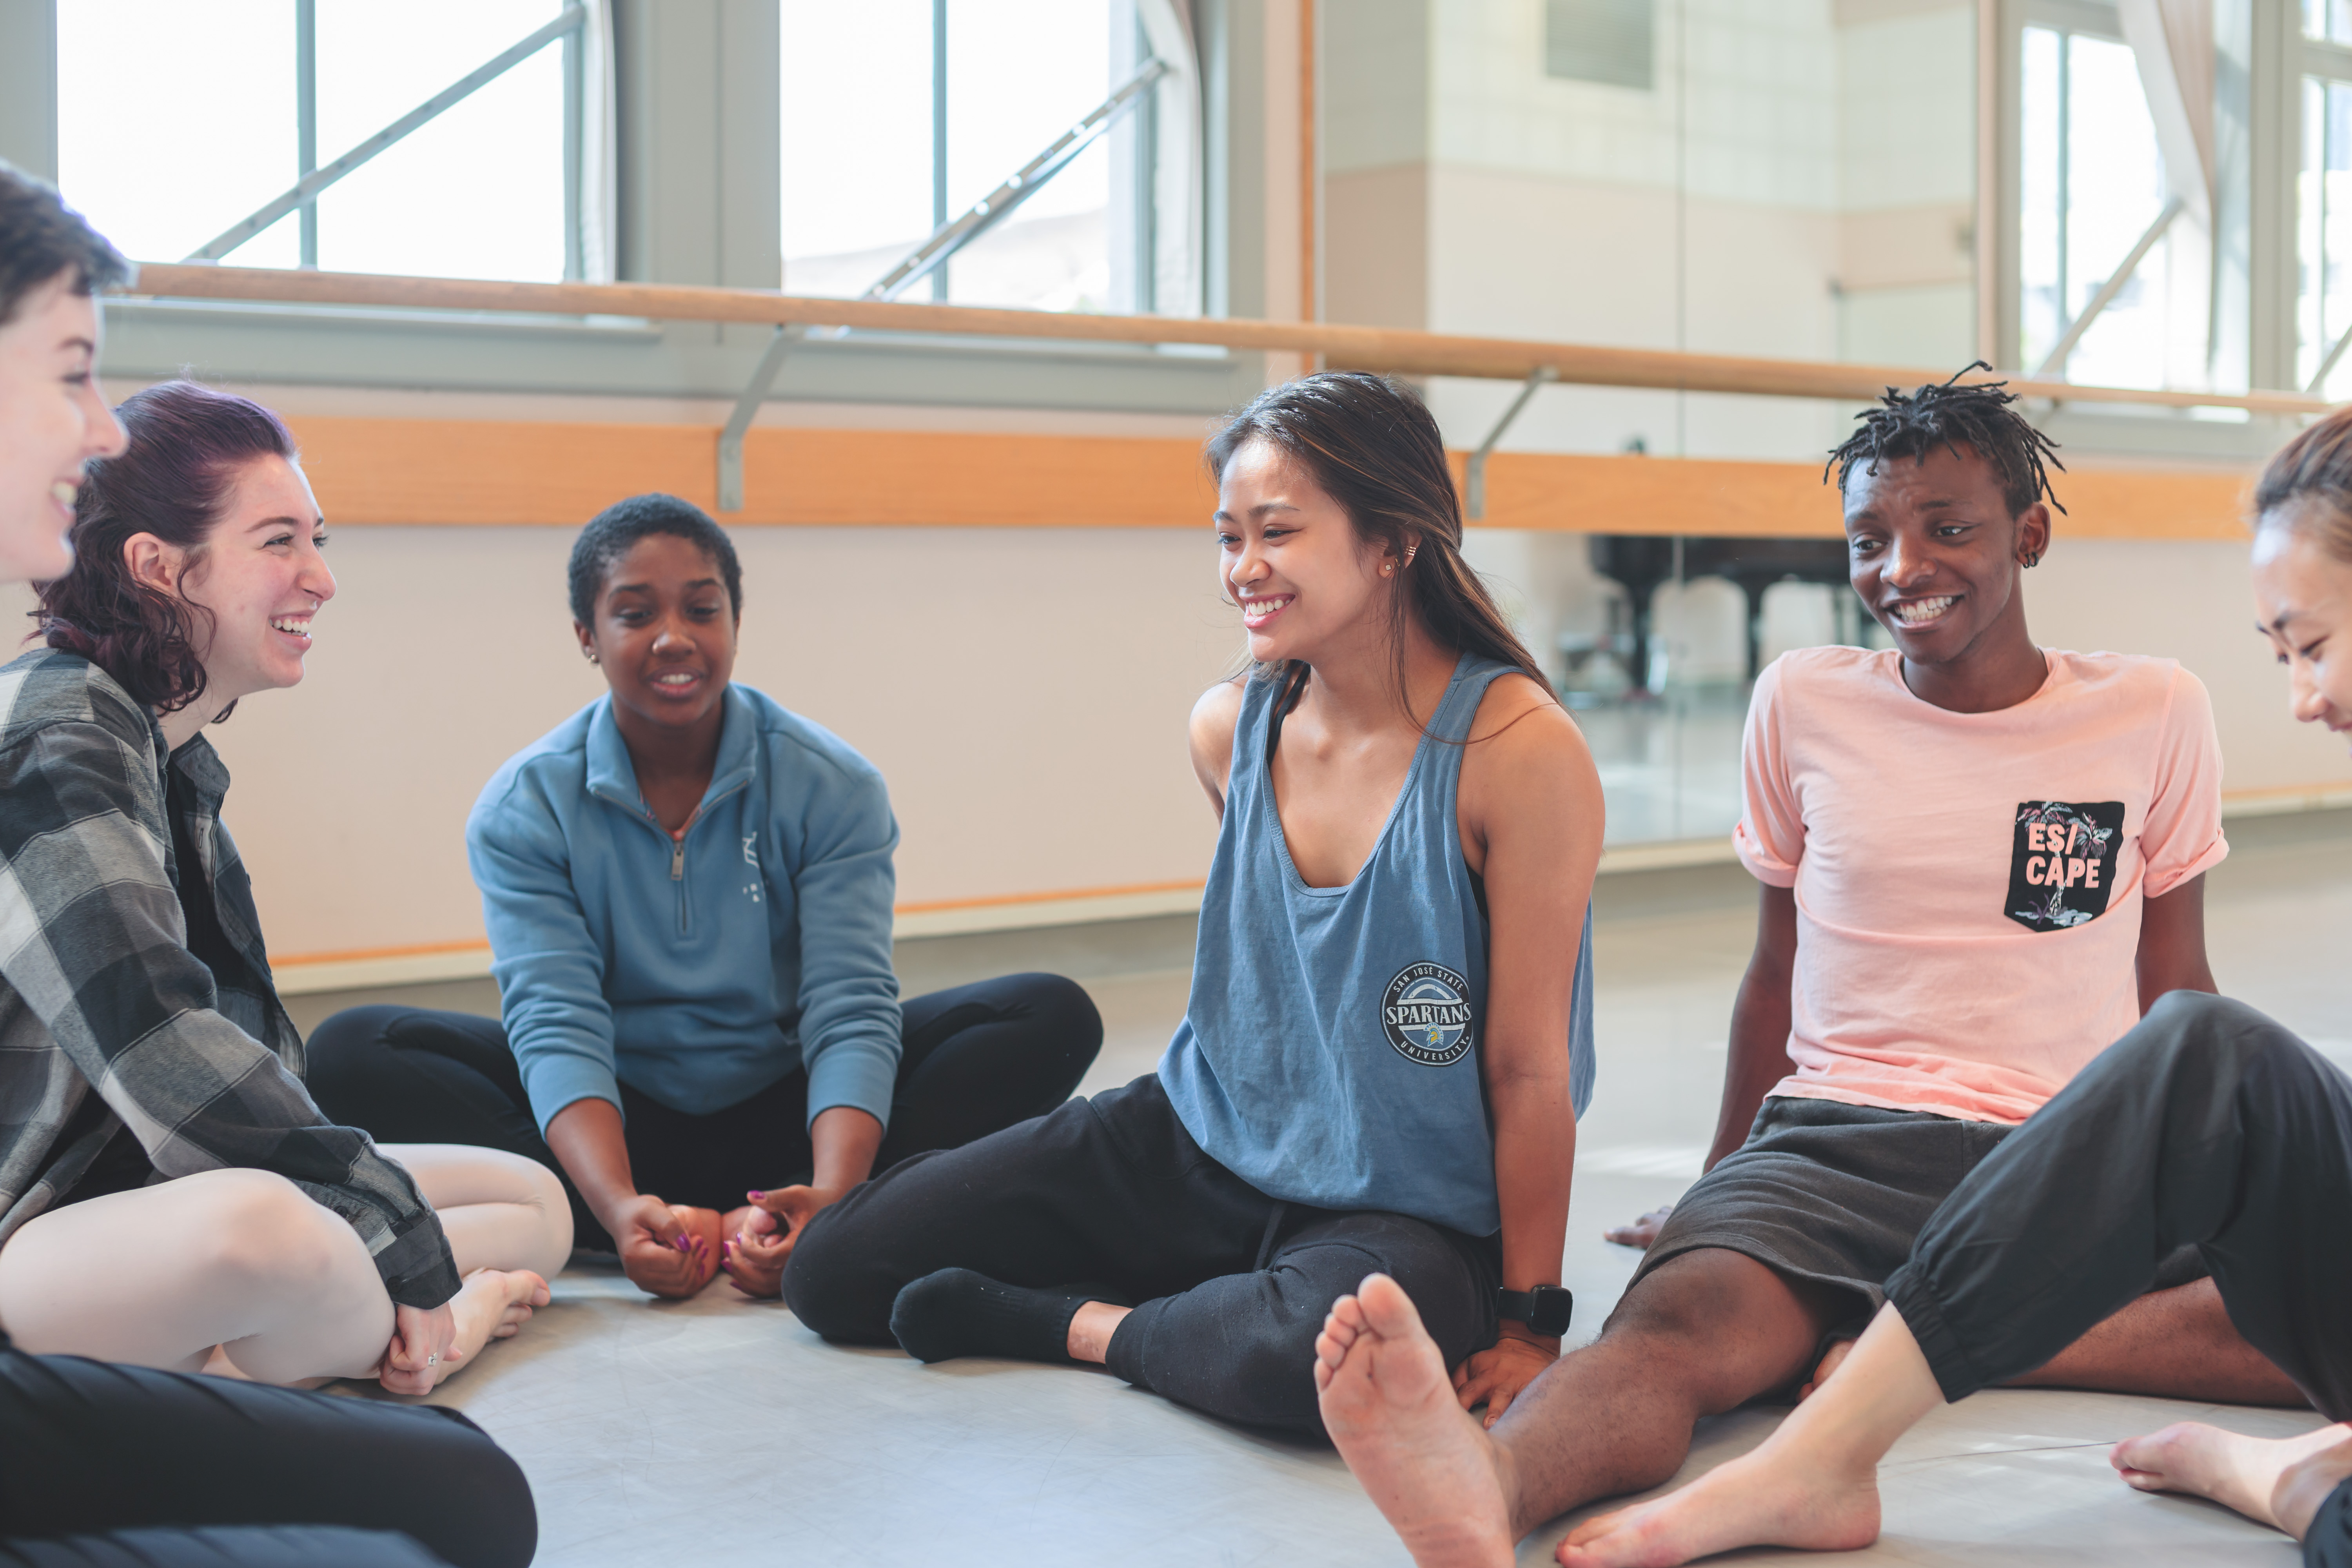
(187, 446)
(1973, 418)
(42, 238)
(615, 532)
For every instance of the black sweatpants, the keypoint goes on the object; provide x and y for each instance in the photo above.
(976, 1059)
(130, 1466)
(2207, 1126)
(1111, 1193)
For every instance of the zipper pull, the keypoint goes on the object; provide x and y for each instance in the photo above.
(677, 861)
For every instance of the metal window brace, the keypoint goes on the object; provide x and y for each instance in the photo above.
(927, 258)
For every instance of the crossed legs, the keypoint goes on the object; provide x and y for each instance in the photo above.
(241, 1273)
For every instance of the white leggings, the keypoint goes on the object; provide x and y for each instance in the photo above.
(245, 1260)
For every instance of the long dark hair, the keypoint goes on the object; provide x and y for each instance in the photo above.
(1370, 446)
(187, 444)
(2316, 465)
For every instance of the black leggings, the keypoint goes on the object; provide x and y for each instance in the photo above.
(133, 1467)
(2207, 1126)
(977, 1058)
(1111, 1193)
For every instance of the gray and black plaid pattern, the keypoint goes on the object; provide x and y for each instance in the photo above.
(98, 986)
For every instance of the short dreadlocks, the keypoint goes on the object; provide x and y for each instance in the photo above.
(1976, 417)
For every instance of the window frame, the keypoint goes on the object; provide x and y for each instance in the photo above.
(2264, 315)
(698, 198)
(2331, 63)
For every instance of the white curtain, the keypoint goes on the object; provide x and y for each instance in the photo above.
(1177, 265)
(2173, 45)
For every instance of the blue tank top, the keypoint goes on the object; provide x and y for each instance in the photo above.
(1329, 1053)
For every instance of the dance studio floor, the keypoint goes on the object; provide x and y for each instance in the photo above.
(717, 1431)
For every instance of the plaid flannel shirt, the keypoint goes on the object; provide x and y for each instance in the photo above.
(98, 986)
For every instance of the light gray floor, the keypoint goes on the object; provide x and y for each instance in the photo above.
(717, 1431)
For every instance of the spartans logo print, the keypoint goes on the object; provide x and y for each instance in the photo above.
(1427, 1014)
(2062, 865)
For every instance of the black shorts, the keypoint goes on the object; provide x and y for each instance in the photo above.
(1836, 1194)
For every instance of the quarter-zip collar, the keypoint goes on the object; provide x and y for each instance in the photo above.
(613, 777)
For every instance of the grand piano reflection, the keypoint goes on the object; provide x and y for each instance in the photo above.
(1641, 563)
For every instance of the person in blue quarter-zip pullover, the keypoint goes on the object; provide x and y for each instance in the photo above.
(689, 891)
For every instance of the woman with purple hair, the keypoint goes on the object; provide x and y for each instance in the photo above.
(150, 1098)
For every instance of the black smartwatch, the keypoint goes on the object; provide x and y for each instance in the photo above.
(1546, 1309)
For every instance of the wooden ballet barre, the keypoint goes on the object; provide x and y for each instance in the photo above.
(1340, 347)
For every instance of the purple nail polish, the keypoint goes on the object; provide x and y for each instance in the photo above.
(755, 1197)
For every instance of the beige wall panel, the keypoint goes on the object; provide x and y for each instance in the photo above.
(1024, 692)
(1376, 247)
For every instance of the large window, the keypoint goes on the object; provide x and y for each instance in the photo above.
(2091, 189)
(900, 114)
(2323, 202)
(176, 121)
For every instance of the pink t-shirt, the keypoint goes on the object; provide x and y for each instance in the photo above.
(1968, 885)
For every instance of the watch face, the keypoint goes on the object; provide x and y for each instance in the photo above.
(1553, 1308)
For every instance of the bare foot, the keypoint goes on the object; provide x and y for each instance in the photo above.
(1778, 1496)
(1389, 1406)
(491, 1305)
(2306, 1484)
(2236, 1471)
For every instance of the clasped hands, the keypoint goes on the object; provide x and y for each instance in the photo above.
(672, 1250)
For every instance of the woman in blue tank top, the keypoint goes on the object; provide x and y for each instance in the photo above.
(1390, 1032)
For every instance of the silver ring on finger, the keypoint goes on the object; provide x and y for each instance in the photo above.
(432, 1358)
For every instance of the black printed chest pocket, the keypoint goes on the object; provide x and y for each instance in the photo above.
(2062, 862)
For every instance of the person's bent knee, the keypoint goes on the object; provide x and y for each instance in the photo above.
(340, 1052)
(833, 1287)
(554, 1205)
(485, 1499)
(261, 1231)
(1065, 1004)
(2200, 1031)
(1688, 1300)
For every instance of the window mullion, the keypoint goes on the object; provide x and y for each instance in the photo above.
(306, 119)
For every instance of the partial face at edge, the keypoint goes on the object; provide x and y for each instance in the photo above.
(1289, 556)
(53, 420)
(664, 632)
(2302, 603)
(1933, 552)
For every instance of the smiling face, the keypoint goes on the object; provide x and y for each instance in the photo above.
(664, 634)
(52, 421)
(259, 573)
(1289, 556)
(2303, 602)
(1934, 553)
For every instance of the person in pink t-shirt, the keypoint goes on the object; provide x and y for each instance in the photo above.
(1982, 860)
